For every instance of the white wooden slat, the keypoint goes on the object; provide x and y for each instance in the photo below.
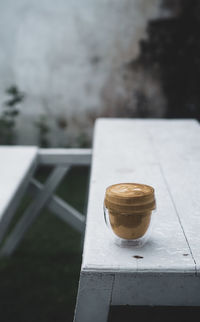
(123, 152)
(186, 194)
(65, 156)
(180, 159)
(17, 164)
(156, 289)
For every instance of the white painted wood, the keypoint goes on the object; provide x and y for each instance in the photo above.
(33, 210)
(61, 208)
(17, 165)
(156, 289)
(162, 153)
(123, 152)
(94, 297)
(65, 156)
(180, 160)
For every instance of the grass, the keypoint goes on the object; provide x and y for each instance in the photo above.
(39, 281)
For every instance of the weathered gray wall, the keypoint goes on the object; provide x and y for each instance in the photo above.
(62, 53)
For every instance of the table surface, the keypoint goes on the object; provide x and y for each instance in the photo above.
(166, 155)
(15, 163)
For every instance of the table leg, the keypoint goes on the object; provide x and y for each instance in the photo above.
(94, 297)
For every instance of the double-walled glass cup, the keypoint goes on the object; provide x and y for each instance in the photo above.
(128, 209)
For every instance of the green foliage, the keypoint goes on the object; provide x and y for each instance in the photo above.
(44, 129)
(83, 140)
(9, 115)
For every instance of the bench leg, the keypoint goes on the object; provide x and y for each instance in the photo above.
(94, 297)
(33, 210)
(10, 211)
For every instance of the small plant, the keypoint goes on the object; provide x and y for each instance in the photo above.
(83, 140)
(61, 122)
(9, 115)
(44, 129)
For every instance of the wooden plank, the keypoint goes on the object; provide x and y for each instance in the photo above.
(61, 208)
(17, 165)
(180, 161)
(65, 156)
(123, 152)
(175, 289)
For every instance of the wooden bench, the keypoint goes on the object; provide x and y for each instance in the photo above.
(166, 155)
(17, 168)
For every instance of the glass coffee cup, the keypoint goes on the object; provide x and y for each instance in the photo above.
(128, 209)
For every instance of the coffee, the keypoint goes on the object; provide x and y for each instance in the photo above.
(130, 206)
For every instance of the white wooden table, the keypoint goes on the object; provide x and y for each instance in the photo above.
(166, 155)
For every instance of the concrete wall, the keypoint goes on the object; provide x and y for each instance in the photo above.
(62, 54)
